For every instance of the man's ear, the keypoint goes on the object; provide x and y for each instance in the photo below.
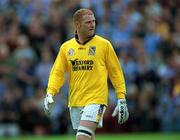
(77, 24)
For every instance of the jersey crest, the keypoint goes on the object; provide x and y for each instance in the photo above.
(92, 50)
(70, 52)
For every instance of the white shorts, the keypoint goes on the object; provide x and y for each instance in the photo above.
(92, 112)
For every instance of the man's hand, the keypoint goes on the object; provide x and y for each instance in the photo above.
(122, 111)
(48, 101)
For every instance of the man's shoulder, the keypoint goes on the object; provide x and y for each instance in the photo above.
(70, 41)
(100, 38)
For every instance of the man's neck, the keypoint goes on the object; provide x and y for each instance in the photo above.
(81, 39)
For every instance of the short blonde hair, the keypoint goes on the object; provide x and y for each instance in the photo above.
(80, 13)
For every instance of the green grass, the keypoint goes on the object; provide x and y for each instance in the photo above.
(129, 136)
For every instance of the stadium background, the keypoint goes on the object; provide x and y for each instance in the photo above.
(145, 35)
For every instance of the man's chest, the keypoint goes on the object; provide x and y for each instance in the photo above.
(83, 57)
(81, 52)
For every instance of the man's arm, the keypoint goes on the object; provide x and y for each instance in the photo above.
(57, 74)
(56, 79)
(115, 72)
(117, 78)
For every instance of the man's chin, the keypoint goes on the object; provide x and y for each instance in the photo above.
(92, 34)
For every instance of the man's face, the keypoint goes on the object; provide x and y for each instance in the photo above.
(87, 25)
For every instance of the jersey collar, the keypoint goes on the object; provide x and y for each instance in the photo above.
(89, 38)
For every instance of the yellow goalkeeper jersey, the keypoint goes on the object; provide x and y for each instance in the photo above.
(88, 66)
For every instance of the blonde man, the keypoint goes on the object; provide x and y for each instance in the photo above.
(89, 59)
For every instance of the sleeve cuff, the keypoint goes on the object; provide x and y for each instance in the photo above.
(121, 96)
(51, 91)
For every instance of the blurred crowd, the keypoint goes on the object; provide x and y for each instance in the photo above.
(145, 35)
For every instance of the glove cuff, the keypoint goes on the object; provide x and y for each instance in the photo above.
(121, 101)
(49, 98)
(49, 95)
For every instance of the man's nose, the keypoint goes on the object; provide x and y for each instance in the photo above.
(92, 23)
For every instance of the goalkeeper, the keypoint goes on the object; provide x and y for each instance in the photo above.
(89, 60)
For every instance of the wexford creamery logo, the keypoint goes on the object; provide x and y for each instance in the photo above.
(78, 65)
